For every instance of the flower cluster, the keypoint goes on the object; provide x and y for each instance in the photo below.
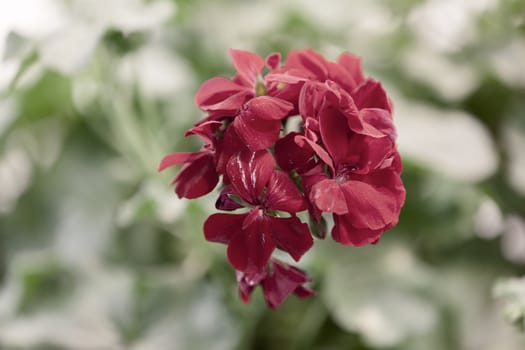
(339, 160)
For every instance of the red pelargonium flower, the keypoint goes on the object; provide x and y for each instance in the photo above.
(337, 157)
(379, 195)
(253, 236)
(198, 176)
(364, 190)
(278, 281)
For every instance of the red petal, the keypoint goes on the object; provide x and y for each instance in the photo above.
(249, 172)
(289, 77)
(227, 146)
(268, 108)
(275, 294)
(282, 194)
(273, 60)
(371, 207)
(341, 76)
(290, 156)
(216, 90)
(286, 86)
(291, 273)
(197, 178)
(250, 250)
(335, 133)
(291, 235)
(388, 178)
(378, 120)
(205, 130)
(253, 216)
(310, 61)
(344, 233)
(329, 197)
(352, 64)
(369, 153)
(221, 228)
(248, 65)
(179, 158)
(257, 133)
(311, 129)
(311, 99)
(303, 292)
(339, 100)
(283, 281)
(321, 153)
(309, 180)
(229, 105)
(247, 283)
(226, 200)
(370, 94)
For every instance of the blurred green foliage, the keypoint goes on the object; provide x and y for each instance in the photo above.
(96, 252)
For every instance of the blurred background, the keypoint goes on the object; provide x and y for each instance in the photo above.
(97, 252)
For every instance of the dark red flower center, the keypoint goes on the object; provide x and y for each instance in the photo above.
(343, 172)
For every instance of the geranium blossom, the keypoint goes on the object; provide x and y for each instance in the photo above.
(341, 161)
(278, 282)
(363, 187)
(252, 237)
